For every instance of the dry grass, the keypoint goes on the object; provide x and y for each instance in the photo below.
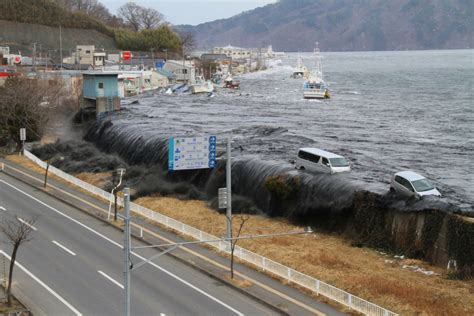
(361, 271)
(364, 272)
(96, 179)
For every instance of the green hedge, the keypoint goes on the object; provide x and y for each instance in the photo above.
(146, 40)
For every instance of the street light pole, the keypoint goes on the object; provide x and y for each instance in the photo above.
(229, 188)
(127, 248)
(126, 252)
(121, 172)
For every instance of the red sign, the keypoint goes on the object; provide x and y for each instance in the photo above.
(126, 55)
(17, 59)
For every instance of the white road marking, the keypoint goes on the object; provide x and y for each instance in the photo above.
(108, 277)
(27, 224)
(135, 254)
(2, 208)
(31, 275)
(63, 247)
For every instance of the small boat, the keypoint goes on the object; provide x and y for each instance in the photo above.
(230, 83)
(202, 86)
(301, 71)
(180, 88)
(315, 87)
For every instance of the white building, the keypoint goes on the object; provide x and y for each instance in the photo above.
(233, 52)
(86, 55)
(183, 70)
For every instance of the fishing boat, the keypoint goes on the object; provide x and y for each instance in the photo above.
(230, 83)
(300, 71)
(315, 87)
(202, 86)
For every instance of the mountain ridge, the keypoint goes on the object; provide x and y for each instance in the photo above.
(344, 25)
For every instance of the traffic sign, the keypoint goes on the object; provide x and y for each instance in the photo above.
(186, 153)
(127, 55)
(22, 134)
(222, 197)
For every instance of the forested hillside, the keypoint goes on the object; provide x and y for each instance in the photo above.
(24, 22)
(345, 25)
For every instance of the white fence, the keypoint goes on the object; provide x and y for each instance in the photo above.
(291, 275)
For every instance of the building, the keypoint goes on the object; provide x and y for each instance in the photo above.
(233, 52)
(100, 91)
(184, 71)
(99, 58)
(216, 58)
(86, 55)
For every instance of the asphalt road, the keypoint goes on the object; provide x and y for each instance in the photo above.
(73, 266)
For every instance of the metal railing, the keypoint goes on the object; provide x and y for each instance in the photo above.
(319, 287)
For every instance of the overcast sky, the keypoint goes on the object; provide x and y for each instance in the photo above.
(192, 11)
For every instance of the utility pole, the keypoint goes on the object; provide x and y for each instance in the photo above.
(60, 47)
(34, 57)
(126, 251)
(229, 188)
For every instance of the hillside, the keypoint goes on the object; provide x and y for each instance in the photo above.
(24, 22)
(21, 36)
(345, 25)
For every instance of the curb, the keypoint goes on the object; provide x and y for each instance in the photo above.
(134, 235)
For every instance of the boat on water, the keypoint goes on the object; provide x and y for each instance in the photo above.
(301, 71)
(230, 83)
(314, 86)
(202, 86)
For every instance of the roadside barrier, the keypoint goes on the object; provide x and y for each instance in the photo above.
(319, 287)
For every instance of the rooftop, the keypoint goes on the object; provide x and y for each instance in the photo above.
(320, 152)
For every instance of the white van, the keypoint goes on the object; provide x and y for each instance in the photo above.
(318, 160)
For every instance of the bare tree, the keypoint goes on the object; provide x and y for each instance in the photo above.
(17, 233)
(140, 17)
(92, 8)
(151, 18)
(187, 41)
(130, 12)
(233, 243)
(26, 102)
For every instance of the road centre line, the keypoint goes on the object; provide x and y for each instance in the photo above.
(63, 247)
(121, 247)
(3, 209)
(217, 264)
(31, 275)
(27, 224)
(110, 279)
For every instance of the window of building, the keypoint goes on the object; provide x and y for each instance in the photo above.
(101, 85)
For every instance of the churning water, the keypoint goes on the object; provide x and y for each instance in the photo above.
(389, 111)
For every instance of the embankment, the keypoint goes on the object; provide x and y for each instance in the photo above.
(427, 229)
(20, 36)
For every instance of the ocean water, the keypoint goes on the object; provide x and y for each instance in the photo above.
(389, 111)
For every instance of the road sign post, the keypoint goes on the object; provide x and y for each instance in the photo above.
(186, 153)
(229, 188)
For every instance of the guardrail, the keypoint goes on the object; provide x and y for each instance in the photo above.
(319, 287)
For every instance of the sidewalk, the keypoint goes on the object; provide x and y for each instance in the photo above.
(284, 299)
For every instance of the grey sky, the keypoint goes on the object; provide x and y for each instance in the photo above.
(192, 11)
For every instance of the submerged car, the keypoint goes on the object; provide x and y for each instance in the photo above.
(409, 183)
(318, 160)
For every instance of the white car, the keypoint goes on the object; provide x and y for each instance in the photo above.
(318, 160)
(409, 183)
